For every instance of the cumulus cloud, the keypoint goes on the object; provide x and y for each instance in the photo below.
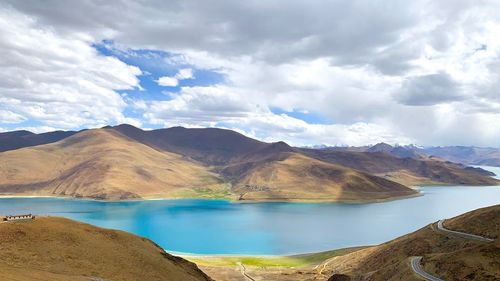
(58, 81)
(424, 72)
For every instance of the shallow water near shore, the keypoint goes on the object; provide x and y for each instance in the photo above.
(213, 227)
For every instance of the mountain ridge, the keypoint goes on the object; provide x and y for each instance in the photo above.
(125, 162)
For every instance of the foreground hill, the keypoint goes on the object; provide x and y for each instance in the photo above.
(408, 171)
(101, 164)
(49, 248)
(446, 256)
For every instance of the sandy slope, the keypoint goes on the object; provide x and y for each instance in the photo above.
(297, 176)
(61, 249)
(100, 164)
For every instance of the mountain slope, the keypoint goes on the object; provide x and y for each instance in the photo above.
(408, 171)
(20, 139)
(449, 257)
(212, 146)
(100, 164)
(50, 248)
(292, 175)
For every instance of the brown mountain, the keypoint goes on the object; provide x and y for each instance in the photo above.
(268, 171)
(50, 248)
(212, 146)
(408, 171)
(20, 139)
(446, 256)
(102, 164)
(126, 162)
(291, 175)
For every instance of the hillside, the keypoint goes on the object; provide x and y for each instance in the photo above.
(212, 146)
(293, 176)
(407, 171)
(449, 257)
(101, 164)
(125, 162)
(19, 139)
(50, 248)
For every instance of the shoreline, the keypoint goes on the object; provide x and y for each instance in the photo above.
(348, 201)
(291, 255)
(416, 188)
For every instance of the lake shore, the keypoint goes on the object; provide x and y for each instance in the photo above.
(320, 200)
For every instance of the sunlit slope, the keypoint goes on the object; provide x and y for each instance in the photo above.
(446, 256)
(61, 249)
(296, 176)
(100, 164)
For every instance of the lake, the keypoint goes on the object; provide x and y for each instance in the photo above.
(222, 227)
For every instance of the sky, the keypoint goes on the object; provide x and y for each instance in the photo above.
(307, 72)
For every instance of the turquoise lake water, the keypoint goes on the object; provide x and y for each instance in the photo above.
(221, 227)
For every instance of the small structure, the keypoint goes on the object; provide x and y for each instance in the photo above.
(19, 217)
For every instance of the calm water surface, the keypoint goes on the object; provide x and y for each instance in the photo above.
(221, 227)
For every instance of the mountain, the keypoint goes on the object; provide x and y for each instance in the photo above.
(407, 171)
(468, 155)
(125, 162)
(212, 146)
(397, 151)
(296, 176)
(20, 139)
(449, 257)
(101, 164)
(51, 248)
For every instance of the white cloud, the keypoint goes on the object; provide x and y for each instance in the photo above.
(169, 81)
(58, 81)
(365, 76)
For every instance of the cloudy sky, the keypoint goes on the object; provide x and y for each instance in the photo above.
(307, 72)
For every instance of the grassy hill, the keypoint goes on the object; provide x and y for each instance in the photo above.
(449, 257)
(101, 164)
(50, 248)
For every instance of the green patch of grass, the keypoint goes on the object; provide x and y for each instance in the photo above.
(271, 261)
(219, 192)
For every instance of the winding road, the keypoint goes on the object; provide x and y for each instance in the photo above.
(415, 265)
(441, 228)
(415, 261)
(243, 271)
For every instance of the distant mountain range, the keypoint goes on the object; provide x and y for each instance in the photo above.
(125, 162)
(467, 155)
